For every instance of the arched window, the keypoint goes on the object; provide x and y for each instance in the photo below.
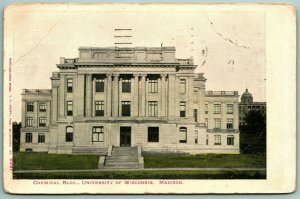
(69, 134)
(182, 134)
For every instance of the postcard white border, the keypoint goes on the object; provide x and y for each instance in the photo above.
(281, 112)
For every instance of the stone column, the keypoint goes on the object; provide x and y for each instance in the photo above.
(172, 101)
(190, 98)
(136, 96)
(163, 96)
(79, 99)
(88, 100)
(236, 115)
(36, 117)
(93, 97)
(48, 111)
(23, 119)
(119, 101)
(143, 95)
(108, 95)
(116, 95)
(54, 105)
(61, 95)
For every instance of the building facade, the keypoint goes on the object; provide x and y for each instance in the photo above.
(247, 104)
(126, 97)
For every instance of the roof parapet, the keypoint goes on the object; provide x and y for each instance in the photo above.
(37, 91)
(221, 93)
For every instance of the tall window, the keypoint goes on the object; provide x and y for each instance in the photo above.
(217, 139)
(153, 85)
(125, 108)
(69, 85)
(182, 135)
(30, 107)
(230, 140)
(217, 123)
(28, 137)
(42, 121)
(182, 109)
(152, 108)
(99, 85)
(195, 96)
(182, 85)
(98, 134)
(99, 108)
(217, 108)
(206, 122)
(126, 85)
(69, 108)
(206, 139)
(42, 107)
(206, 108)
(41, 138)
(196, 137)
(196, 115)
(229, 123)
(229, 108)
(29, 121)
(69, 134)
(153, 134)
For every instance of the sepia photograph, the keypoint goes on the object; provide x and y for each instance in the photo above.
(139, 98)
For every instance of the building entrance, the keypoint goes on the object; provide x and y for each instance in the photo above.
(125, 136)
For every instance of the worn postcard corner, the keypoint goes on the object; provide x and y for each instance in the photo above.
(149, 98)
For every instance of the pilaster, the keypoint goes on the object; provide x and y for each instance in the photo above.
(143, 95)
(172, 96)
(23, 119)
(116, 95)
(163, 96)
(136, 96)
(108, 95)
(48, 111)
(88, 100)
(61, 95)
(54, 104)
(79, 99)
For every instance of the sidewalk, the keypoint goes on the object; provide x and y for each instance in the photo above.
(146, 169)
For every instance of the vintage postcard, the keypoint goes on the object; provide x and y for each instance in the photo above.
(149, 98)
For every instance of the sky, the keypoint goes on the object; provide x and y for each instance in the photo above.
(228, 45)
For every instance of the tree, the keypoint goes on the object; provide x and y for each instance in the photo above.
(253, 134)
(255, 122)
(16, 136)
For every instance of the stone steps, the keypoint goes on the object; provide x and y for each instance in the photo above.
(122, 157)
(125, 151)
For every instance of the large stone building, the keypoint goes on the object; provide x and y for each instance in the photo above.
(125, 97)
(247, 104)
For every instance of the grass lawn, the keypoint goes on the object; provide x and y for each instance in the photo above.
(28, 161)
(206, 161)
(146, 175)
(31, 161)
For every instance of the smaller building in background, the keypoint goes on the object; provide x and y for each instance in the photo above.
(246, 105)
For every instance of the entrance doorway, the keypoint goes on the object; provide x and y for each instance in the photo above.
(125, 136)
